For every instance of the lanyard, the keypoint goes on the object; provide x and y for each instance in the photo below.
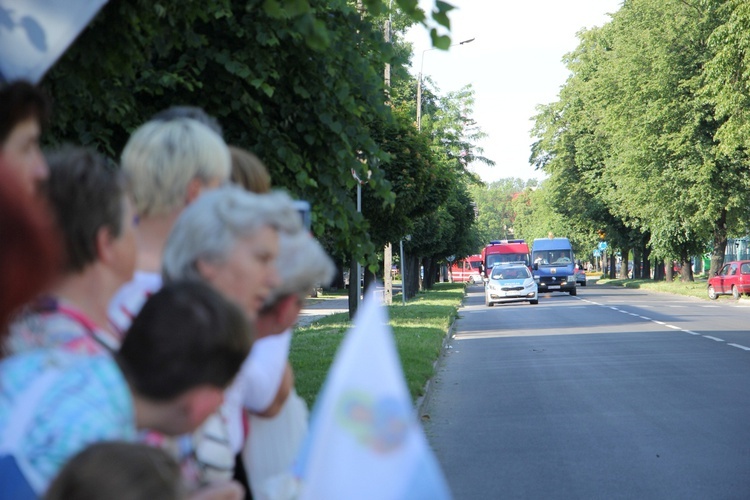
(51, 305)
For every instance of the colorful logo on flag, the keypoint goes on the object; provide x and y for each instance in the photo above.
(379, 424)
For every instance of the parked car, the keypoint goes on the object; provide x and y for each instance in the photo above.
(581, 277)
(510, 283)
(733, 278)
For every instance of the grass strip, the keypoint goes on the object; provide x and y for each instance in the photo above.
(419, 328)
(690, 289)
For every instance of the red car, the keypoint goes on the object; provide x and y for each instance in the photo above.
(734, 278)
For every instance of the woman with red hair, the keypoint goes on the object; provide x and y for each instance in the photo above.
(29, 246)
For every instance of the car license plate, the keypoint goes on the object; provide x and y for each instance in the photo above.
(554, 287)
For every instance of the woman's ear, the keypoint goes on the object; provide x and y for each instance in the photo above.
(206, 269)
(194, 189)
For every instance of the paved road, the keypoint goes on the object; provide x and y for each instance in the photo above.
(614, 393)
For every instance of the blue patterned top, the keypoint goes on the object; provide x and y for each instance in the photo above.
(87, 400)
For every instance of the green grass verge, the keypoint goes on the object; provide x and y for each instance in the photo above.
(419, 328)
(691, 289)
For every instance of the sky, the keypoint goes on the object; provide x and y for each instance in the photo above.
(514, 64)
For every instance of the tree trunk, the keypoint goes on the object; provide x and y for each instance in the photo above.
(431, 272)
(370, 278)
(625, 252)
(686, 269)
(338, 278)
(720, 244)
(353, 280)
(411, 283)
(669, 270)
(646, 258)
(659, 271)
(612, 265)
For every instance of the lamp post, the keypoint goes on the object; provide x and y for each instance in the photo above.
(419, 82)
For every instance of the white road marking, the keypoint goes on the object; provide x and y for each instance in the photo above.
(673, 327)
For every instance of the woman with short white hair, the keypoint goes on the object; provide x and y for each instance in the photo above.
(168, 165)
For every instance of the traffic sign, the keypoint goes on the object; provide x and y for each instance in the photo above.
(597, 253)
(602, 246)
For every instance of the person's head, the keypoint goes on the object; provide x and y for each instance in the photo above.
(24, 109)
(302, 265)
(182, 350)
(118, 470)
(88, 197)
(30, 252)
(169, 163)
(192, 112)
(229, 238)
(248, 171)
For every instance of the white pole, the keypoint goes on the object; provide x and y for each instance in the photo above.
(403, 276)
(359, 266)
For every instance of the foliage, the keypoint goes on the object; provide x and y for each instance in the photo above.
(495, 207)
(303, 107)
(635, 133)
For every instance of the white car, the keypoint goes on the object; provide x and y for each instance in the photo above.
(510, 283)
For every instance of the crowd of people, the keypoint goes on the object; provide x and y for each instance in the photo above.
(146, 311)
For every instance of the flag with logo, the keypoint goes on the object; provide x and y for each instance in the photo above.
(364, 440)
(35, 33)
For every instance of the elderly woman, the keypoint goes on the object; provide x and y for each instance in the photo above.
(229, 238)
(274, 439)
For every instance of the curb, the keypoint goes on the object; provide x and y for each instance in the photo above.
(422, 400)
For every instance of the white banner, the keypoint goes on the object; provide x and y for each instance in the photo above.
(35, 33)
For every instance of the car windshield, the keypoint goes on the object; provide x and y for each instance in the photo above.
(510, 273)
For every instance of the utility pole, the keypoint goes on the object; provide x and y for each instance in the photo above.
(388, 250)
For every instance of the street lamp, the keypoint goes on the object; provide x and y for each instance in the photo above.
(419, 82)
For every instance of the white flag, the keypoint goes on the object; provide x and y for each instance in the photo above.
(365, 441)
(35, 33)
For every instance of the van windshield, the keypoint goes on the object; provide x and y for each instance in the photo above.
(504, 258)
(553, 257)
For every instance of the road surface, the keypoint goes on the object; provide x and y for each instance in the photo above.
(615, 393)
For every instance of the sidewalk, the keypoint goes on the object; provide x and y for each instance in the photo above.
(313, 311)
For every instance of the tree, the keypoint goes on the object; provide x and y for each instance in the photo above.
(304, 106)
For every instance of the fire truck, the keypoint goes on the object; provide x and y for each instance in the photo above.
(504, 251)
(468, 269)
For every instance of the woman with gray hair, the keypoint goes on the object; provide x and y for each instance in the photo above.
(274, 439)
(254, 250)
(230, 239)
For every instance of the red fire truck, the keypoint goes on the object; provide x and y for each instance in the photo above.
(500, 251)
(468, 269)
